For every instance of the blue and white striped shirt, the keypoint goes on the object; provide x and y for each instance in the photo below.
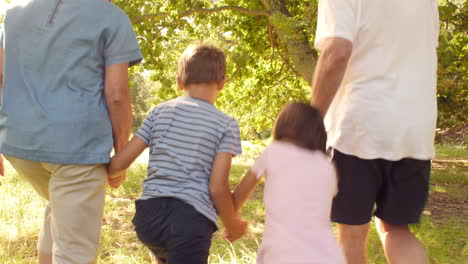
(184, 135)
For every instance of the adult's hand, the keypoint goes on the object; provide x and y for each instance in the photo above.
(117, 94)
(115, 181)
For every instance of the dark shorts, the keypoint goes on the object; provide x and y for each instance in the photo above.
(173, 230)
(398, 189)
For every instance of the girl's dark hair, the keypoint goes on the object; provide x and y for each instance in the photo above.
(303, 125)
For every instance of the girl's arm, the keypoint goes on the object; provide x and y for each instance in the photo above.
(245, 188)
(122, 160)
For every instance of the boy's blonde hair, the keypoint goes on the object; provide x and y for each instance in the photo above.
(201, 63)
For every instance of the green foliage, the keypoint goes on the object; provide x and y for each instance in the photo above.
(261, 76)
(143, 94)
(453, 63)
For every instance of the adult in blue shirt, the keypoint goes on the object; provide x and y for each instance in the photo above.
(65, 104)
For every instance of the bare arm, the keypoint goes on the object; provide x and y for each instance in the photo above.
(245, 188)
(117, 95)
(329, 72)
(222, 198)
(122, 160)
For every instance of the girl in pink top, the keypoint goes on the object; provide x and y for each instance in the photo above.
(299, 187)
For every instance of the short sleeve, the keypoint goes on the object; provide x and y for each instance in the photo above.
(144, 132)
(121, 45)
(230, 141)
(336, 19)
(260, 165)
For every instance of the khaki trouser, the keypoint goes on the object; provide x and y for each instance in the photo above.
(73, 216)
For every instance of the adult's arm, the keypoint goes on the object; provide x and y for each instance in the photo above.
(117, 95)
(2, 168)
(329, 72)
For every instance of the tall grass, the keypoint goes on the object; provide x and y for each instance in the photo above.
(21, 215)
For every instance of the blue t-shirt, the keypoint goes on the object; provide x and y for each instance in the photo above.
(55, 53)
(184, 135)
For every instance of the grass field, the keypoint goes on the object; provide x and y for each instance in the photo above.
(442, 229)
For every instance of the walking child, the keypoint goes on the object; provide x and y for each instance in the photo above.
(191, 144)
(300, 183)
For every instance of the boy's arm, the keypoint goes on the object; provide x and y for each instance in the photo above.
(245, 188)
(122, 160)
(222, 198)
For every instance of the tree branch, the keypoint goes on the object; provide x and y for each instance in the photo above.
(231, 8)
(149, 16)
(242, 10)
(294, 38)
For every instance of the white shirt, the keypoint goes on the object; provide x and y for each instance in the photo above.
(386, 106)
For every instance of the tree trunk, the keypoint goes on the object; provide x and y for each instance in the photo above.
(296, 41)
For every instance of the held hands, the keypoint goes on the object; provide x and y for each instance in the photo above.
(235, 230)
(115, 179)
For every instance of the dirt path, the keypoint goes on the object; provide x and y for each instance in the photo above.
(442, 205)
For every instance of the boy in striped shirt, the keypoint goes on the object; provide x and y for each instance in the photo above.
(191, 144)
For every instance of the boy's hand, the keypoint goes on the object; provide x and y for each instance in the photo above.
(115, 180)
(235, 230)
(116, 169)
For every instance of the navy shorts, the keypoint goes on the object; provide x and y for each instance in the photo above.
(173, 230)
(398, 190)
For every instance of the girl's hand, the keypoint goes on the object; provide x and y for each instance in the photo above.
(236, 230)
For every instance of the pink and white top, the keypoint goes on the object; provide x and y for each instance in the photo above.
(299, 188)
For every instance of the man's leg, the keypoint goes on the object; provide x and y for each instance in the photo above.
(406, 192)
(400, 245)
(353, 241)
(38, 177)
(45, 258)
(45, 242)
(358, 184)
(77, 202)
(157, 261)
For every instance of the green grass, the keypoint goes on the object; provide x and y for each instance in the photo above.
(452, 151)
(21, 215)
